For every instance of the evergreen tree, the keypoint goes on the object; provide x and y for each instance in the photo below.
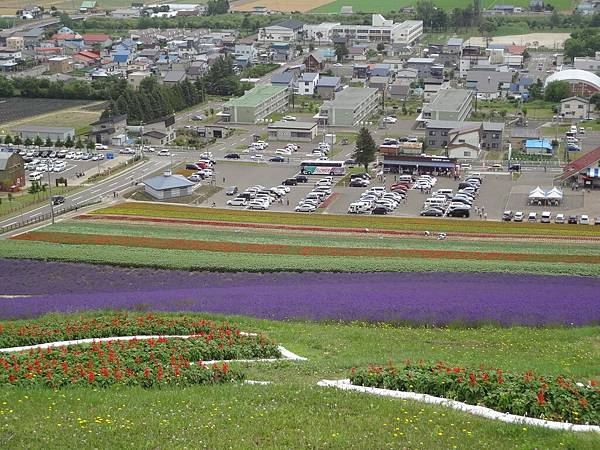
(48, 143)
(38, 141)
(90, 145)
(17, 140)
(365, 149)
(69, 142)
(28, 142)
(8, 139)
(79, 144)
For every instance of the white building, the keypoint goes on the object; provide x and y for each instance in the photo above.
(248, 50)
(307, 84)
(464, 143)
(574, 108)
(321, 32)
(382, 30)
(591, 64)
(286, 31)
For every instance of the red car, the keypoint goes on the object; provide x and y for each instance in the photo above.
(400, 187)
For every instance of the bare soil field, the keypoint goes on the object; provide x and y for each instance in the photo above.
(549, 40)
(279, 5)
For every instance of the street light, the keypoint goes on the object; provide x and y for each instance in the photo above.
(50, 192)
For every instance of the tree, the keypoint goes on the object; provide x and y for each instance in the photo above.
(555, 19)
(595, 101)
(8, 139)
(17, 140)
(341, 51)
(79, 144)
(59, 143)
(69, 142)
(299, 49)
(557, 90)
(34, 189)
(319, 35)
(90, 145)
(48, 142)
(28, 142)
(365, 149)
(380, 47)
(311, 47)
(38, 142)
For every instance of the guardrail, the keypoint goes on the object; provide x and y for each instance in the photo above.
(46, 216)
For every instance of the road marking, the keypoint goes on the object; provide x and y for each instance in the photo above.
(12, 223)
(76, 198)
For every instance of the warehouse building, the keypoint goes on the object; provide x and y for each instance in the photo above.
(54, 133)
(350, 106)
(292, 131)
(12, 171)
(256, 104)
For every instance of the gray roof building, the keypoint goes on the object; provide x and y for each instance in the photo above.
(349, 107)
(449, 104)
(162, 182)
(174, 76)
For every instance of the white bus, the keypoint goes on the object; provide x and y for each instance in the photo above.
(323, 168)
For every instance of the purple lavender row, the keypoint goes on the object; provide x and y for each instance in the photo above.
(436, 298)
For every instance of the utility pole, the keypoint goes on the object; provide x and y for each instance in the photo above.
(50, 192)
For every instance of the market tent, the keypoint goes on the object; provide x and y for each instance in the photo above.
(537, 194)
(554, 196)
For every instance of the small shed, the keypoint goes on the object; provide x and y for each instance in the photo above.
(538, 147)
(167, 186)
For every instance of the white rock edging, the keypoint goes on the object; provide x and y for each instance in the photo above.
(285, 353)
(472, 409)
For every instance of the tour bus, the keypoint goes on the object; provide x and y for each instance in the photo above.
(323, 168)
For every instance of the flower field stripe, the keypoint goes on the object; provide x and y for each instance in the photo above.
(324, 229)
(482, 411)
(348, 221)
(276, 249)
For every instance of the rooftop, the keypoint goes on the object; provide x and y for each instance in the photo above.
(421, 61)
(455, 41)
(454, 124)
(329, 81)
(290, 125)
(449, 100)
(256, 96)
(351, 97)
(4, 155)
(291, 24)
(164, 182)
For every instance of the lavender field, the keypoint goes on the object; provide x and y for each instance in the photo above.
(30, 288)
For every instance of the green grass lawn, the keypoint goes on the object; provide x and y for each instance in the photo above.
(293, 412)
(22, 202)
(383, 6)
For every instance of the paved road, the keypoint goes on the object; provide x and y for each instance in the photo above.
(103, 189)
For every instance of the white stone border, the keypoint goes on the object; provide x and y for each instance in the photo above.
(472, 409)
(286, 355)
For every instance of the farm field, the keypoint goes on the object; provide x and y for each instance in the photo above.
(17, 109)
(383, 6)
(231, 414)
(278, 5)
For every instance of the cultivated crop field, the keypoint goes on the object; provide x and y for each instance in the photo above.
(16, 109)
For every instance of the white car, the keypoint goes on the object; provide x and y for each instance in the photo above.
(195, 178)
(164, 152)
(293, 147)
(35, 176)
(126, 151)
(257, 157)
(206, 155)
(238, 201)
(101, 147)
(70, 155)
(148, 149)
(519, 216)
(283, 151)
(584, 219)
(257, 204)
(284, 188)
(206, 173)
(306, 207)
(390, 119)
(78, 155)
(289, 118)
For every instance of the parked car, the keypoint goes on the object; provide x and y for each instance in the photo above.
(257, 157)
(195, 178)
(231, 190)
(379, 210)
(290, 182)
(359, 182)
(584, 219)
(546, 217)
(305, 207)
(573, 220)
(432, 212)
(232, 156)
(519, 216)
(560, 218)
(198, 117)
(164, 152)
(390, 119)
(507, 216)
(301, 178)
(238, 201)
(597, 220)
(532, 217)
(458, 212)
(277, 159)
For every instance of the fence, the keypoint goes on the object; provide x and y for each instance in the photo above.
(46, 216)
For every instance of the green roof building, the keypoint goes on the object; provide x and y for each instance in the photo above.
(87, 5)
(256, 104)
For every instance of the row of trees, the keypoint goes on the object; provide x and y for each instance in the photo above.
(39, 142)
(43, 88)
(215, 7)
(435, 18)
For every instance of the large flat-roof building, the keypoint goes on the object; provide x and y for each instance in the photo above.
(292, 131)
(350, 106)
(381, 30)
(256, 104)
(448, 104)
(54, 133)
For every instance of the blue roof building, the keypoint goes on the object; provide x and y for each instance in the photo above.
(538, 147)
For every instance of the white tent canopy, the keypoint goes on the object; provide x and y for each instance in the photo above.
(554, 194)
(537, 194)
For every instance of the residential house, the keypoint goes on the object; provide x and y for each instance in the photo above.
(307, 84)
(379, 83)
(437, 133)
(97, 40)
(32, 37)
(431, 88)
(464, 142)
(281, 52)
(174, 76)
(358, 52)
(9, 58)
(575, 108)
(395, 64)
(519, 136)
(110, 130)
(380, 70)
(422, 66)
(328, 86)
(159, 132)
(59, 64)
(314, 62)
(286, 79)
(286, 31)
(400, 89)
(454, 46)
(88, 6)
(361, 71)
(247, 50)
(135, 78)
(488, 84)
